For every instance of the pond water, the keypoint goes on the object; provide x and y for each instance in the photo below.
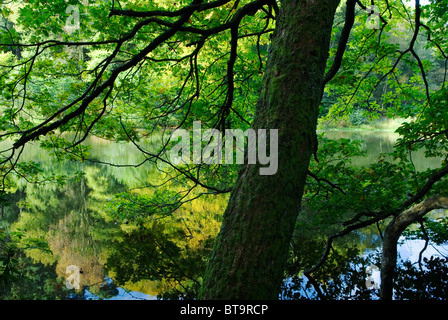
(70, 225)
(376, 142)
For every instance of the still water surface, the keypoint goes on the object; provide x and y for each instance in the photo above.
(74, 223)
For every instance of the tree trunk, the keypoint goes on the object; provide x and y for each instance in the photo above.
(251, 250)
(392, 234)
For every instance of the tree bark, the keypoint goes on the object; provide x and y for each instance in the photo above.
(250, 252)
(392, 234)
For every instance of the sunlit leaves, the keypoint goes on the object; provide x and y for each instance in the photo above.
(63, 149)
(429, 130)
(377, 76)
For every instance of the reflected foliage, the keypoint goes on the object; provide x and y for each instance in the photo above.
(149, 227)
(153, 255)
(89, 221)
(47, 227)
(429, 281)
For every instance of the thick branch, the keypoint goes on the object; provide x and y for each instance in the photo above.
(349, 20)
(436, 176)
(393, 232)
(187, 12)
(42, 130)
(331, 184)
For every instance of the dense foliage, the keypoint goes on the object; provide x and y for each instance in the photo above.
(75, 74)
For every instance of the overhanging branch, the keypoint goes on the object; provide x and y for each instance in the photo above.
(392, 233)
(422, 192)
(349, 21)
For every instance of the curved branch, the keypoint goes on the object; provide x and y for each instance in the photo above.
(393, 232)
(349, 21)
(198, 7)
(435, 177)
(87, 98)
(183, 172)
(331, 184)
(44, 129)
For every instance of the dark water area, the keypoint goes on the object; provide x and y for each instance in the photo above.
(69, 246)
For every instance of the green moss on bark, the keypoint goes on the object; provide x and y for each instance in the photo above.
(251, 249)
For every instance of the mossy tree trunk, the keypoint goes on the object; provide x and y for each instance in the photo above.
(251, 250)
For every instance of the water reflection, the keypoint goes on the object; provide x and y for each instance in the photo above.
(117, 259)
(378, 142)
(153, 258)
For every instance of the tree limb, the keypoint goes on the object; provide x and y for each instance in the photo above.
(349, 21)
(42, 130)
(435, 177)
(392, 234)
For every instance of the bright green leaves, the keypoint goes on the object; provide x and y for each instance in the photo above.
(382, 76)
(44, 18)
(69, 19)
(435, 229)
(32, 172)
(180, 80)
(436, 15)
(63, 149)
(336, 190)
(378, 77)
(429, 130)
(134, 206)
(26, 242)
